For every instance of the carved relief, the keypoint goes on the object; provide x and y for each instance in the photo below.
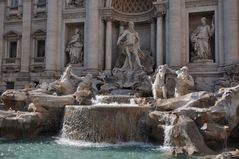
(230, 77)
(75, 3)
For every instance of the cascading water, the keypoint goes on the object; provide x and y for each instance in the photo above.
(167, 136)
(168, 130)
(111, 119)
(114, 100)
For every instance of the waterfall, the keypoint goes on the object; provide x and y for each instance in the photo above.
(105, 123)
(169, 120)
(167, 135)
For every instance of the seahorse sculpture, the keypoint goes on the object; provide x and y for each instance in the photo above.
(159, 85)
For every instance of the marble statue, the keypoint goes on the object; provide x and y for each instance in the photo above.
(130, 43)
(75, 48)
(84, 92)
(159, 85)
(200, 39)
(66, 84)
(183, 81)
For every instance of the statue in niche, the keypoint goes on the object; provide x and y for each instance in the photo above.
(130, 44)
(200, 39)
(132, 67)
(75, 49)
(184, 81)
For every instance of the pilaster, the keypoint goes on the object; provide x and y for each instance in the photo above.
(230, 10)
(51, 39)
(26, 36)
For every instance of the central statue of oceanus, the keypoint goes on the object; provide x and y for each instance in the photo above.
(134, 58)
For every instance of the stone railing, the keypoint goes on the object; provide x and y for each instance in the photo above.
(11, 65)
(39, 10)
(37, 64)
(14, 11)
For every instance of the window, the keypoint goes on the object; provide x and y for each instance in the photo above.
(41, 3)
(40, 48)
(13, 49)
(10, 85)
(14, 3)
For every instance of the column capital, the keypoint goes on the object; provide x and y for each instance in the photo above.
(107, 18)
(160, 7)
(151, 20)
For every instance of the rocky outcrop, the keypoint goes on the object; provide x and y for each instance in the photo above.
(19, 124)
(15, 99)
(30, 113)
(212, 117)
(225, 155)
(184, 136)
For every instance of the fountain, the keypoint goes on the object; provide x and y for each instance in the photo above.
(119, 107)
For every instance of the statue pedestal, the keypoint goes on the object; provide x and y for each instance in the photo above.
(136, 80)
(203, 65)
(204, 61)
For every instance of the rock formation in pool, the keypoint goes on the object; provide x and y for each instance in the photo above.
(189, 123)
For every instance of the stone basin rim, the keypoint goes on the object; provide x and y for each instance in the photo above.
(108, 106)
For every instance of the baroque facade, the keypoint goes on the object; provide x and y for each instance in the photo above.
(38, 38)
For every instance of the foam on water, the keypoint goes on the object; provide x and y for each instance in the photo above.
(99, 98)
(80, 143)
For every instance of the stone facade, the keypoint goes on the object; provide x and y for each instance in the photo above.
(34, 35)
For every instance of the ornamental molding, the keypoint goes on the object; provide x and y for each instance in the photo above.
(200, 3)
(113, 14)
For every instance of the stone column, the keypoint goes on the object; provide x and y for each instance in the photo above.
(92, 18)
(2, 14)
(221, 58)
(20, 6)
(51, 38)
(159, 45)
(230, 9)
(26, 36)
(152, 39)
(174, 33)
(108, 50)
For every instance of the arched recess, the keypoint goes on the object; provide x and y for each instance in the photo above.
(132, 6)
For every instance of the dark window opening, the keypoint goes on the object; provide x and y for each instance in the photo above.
(40, 48)
(10, 85)
(41, 3)
(13, 49)
(14, 3)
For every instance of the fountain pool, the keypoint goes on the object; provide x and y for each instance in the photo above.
(60, 148)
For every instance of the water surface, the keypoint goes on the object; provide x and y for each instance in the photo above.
(59, 148)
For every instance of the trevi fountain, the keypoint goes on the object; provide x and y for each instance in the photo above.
(140, 108)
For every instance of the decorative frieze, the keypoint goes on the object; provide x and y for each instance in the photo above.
(200, 3)
(75, 4)
(74, 15)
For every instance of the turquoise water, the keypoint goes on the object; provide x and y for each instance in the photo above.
(57, 148)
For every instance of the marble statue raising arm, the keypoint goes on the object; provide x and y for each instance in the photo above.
(76, 77)
(122, 36)
(172, 71)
